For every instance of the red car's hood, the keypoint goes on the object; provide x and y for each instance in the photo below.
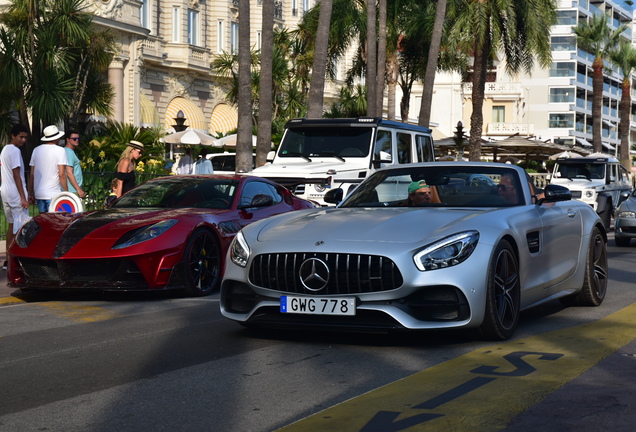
(94, 233)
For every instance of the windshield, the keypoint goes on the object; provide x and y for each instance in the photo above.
(581, 170)
(439, 186)
(326, 141)
(180, 192)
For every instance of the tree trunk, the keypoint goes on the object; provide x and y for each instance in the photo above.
(381, 72)
(317, 84)
(431, 64)
(597, 104)
(265, 96)
(623, 126)
(404, 104)
(372, 59)
(480, 67)
(244, 133)
(391, 78)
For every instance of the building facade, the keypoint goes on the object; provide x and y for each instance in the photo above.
(554, 104)
(166, 49)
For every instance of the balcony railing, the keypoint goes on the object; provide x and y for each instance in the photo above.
(497, 128)
(501, 88)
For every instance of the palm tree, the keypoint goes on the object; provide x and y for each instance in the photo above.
(624, 57)
(382, 56)
(57, 61)
(431, 64)
(511, 30)
(244, 132)
(265, 98)
(317, 85)
(598, 38)
(372, 59)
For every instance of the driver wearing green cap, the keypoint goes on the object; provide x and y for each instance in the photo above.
(419, 194)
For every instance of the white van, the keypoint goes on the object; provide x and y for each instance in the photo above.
(318, 154)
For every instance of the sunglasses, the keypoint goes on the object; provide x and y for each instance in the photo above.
(503, 187)
(74, 139)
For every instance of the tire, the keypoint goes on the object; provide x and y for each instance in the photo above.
(595, 283)
(606, 217)
(501, 315)
(622, 241)
(201, 263)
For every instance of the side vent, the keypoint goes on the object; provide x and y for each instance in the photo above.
(534, 245)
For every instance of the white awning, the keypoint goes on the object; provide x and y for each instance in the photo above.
(609, 146)
(584, 142)
(608, 123)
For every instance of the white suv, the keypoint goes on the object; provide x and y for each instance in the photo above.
(597, 179)
(316, 155)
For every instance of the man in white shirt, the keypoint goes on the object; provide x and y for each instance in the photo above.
(13, 189)
(186, 164)
(48, 169)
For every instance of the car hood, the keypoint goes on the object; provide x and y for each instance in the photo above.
(393, 225)
(317, 168)
(96, 231)
(578, 184)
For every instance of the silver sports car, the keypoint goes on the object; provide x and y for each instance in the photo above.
(418, 247)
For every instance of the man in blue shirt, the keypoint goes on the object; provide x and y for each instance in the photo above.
(203, 165)
(73, 167)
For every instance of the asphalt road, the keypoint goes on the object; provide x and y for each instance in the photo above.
(130, 362)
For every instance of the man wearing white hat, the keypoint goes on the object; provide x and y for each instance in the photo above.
(48, 169)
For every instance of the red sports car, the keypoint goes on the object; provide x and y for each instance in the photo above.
(168, 233)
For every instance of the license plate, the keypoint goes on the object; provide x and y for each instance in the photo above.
(318, 305)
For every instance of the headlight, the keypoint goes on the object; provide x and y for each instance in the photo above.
(27, 233)
(144, 234)
(626, 215)
(239, 250)
(447, 252)
(589, 193)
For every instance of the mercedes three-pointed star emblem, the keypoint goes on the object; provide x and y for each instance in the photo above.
(314, 274)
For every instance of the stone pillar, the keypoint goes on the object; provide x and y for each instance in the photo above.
(116, 80)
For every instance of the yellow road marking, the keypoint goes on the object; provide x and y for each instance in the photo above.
(482, 390)
(79, 313)
(10, 300)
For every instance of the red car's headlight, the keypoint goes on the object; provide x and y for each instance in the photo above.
(144, 234)
(27, 233)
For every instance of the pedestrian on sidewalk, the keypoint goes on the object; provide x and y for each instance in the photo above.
(13, 189)
(48, 169)
(186, 164)
(73, 167)
(203, 164)
(126, 167)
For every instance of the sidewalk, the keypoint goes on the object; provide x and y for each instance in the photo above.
(4, 290)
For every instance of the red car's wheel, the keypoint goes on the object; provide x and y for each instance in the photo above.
(202, 263)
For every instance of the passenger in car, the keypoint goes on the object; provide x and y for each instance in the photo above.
(507, 189)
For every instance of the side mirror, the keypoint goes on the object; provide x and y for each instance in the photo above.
(270, 156)
(334, 196)
(555, 193)
(624, 196)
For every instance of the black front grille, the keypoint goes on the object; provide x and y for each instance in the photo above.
(82, 273)
(348, 273)
(576, 194)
